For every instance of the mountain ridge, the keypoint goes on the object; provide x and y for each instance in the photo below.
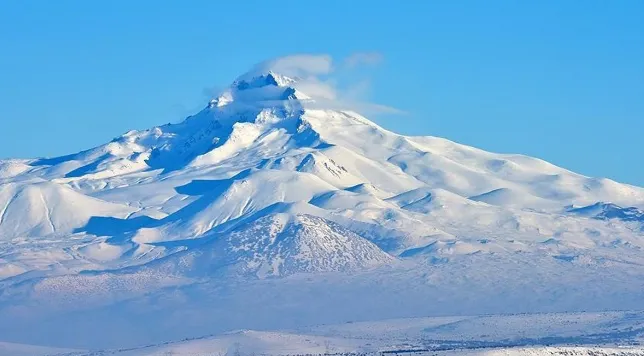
(270, 187)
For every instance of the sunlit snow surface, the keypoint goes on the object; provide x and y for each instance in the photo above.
(609, 333)
(267, 211)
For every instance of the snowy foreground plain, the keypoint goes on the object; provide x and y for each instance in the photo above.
(608, 333)
(275, 209)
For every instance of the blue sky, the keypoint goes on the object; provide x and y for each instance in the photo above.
(559, 80)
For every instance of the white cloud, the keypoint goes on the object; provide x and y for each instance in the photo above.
(362, 107)
(316, 88)
(299, 65)
(318, 78)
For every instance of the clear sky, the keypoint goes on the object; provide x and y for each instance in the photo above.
(559, 80)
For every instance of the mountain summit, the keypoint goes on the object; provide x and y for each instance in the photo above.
(270, 182)
(258, 144)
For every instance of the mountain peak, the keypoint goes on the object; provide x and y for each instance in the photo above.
(263, 184)
(255, 80)
(259, 88)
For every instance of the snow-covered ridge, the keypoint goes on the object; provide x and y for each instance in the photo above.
(259, 125)
(587, 334)
(429, 190)
(260, 194)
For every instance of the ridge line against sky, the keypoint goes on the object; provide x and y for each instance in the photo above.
(561, 81)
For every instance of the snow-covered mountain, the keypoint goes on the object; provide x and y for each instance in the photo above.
(269, 184)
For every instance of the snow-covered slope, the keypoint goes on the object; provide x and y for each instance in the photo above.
(11, 349)
(272, 186)
(42, 208)
(277, 245)
(591, 334)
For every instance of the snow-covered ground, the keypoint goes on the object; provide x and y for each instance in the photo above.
(12, 349)
(271, 209)
(609, 333)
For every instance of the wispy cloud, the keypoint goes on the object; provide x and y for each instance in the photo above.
(331, 86)
(299, 65)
